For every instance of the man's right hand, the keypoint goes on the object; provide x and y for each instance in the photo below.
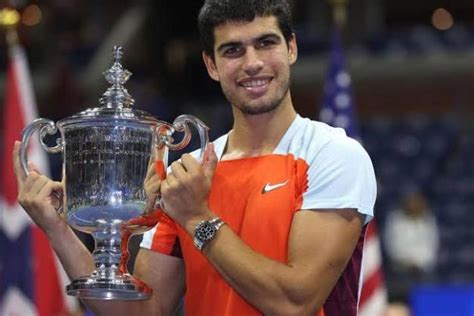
(36, 194)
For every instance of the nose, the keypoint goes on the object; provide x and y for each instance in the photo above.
(252, 62)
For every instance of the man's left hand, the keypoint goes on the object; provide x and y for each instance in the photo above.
(185, 190)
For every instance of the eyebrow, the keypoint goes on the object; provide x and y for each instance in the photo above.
(225, 45)
(268, 36)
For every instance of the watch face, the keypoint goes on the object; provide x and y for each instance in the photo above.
(205, 231)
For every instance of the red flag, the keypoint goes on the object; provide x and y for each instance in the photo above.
(30, 281)
(373, 299)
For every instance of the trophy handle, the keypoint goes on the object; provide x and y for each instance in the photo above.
(165, 140)
(45, 127)
(181, 124)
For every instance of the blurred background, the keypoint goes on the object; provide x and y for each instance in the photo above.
(412, 68)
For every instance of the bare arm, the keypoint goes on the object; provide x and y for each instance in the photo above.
(320, 245)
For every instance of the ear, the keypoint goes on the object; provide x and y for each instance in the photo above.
(292, 49)
(210, 66)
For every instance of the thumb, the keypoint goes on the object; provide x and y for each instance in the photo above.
(57, 186)
(210, 161)
(19, 173)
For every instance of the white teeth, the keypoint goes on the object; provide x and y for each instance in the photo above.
(255, 83)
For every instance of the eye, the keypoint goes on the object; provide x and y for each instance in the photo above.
(266, 43)
(233, 51)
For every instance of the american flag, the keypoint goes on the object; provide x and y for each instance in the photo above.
(338, 110)
(31, 282)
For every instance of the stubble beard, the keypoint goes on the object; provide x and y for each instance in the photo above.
(261, 109)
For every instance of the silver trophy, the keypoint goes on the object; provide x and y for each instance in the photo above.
(106, 154)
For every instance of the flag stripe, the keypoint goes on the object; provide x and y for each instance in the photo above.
(13, 125)
(47, 285)
(371, 284)
(376, 305)
(371, 251)
(24, 85)
(27, 103)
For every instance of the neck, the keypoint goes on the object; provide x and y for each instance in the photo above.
(255, 135)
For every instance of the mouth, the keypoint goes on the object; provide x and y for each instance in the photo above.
(255, 84)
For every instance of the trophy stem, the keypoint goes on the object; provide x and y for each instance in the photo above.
(107, 252)
(110, 280)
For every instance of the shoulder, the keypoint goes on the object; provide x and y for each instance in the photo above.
(339, 173)
(312, 140)
(344, 148)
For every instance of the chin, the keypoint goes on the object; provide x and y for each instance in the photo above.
(261, 109)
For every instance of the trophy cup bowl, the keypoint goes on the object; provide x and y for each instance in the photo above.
(106, 154)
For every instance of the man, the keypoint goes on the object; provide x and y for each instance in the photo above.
(273, 220)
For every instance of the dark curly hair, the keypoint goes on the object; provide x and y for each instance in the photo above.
(217, 12)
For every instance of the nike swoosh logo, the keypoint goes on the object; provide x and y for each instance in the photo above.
(270, 187)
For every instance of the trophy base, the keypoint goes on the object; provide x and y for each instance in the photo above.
(123, 287)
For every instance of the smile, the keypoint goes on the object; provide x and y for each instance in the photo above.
(255, 83)
(257, 86)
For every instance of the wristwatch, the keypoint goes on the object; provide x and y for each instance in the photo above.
(205, 231)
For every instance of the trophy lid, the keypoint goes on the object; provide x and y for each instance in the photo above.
(116, 103)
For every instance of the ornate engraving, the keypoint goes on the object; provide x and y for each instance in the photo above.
(109, 165)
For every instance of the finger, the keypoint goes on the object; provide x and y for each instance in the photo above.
(57, 186)
(49, 190)
(39, 184)
(19, 173)
(34, 182)
(210, 153)
(153, 188)
(178, 170)
(152, 191)
(151, 169)
(205, 157)
(190, 164)
(170, 178)
(30, 181)
(209, 165)
(164, 187)
(154, 178)
(153, 182)
(46, 190)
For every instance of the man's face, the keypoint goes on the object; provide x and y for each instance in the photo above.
(252, 63)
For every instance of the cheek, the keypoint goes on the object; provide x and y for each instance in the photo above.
(228, 71)
(281, 67)
(279, 62)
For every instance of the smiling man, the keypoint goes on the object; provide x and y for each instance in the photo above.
(251, 61)
(273, 221)
(285, 200)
